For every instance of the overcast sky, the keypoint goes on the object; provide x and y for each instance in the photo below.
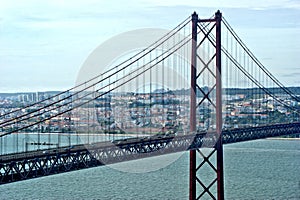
(43, 44)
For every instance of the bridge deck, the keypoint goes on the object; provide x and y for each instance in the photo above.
(26, 165)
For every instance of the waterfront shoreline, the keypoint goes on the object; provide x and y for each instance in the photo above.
(279, 138)
(90, 134)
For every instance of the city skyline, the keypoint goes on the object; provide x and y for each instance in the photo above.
(44, 44)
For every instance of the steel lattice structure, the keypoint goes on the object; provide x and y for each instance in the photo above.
(27, 165)
(209, 68)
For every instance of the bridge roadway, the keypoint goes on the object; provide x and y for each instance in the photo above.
(26, 165)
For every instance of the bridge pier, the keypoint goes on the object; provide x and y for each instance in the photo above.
(217, 103)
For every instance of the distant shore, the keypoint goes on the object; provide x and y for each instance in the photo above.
(91, 134)
(281, 138)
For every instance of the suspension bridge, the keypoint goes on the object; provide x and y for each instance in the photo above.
(194, 89)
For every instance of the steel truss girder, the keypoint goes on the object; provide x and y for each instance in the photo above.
(253, 133)
(14, 168)
(21, 168)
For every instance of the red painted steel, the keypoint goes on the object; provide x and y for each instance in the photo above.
(219, 146)
(218, 105)
(193, 105)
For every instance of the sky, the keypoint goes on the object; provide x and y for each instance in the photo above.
(43, 44)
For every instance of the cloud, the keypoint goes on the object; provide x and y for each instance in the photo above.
(292, 75)
(251, 4)
(35, 33)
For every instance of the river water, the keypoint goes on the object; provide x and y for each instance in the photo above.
(262, 169)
